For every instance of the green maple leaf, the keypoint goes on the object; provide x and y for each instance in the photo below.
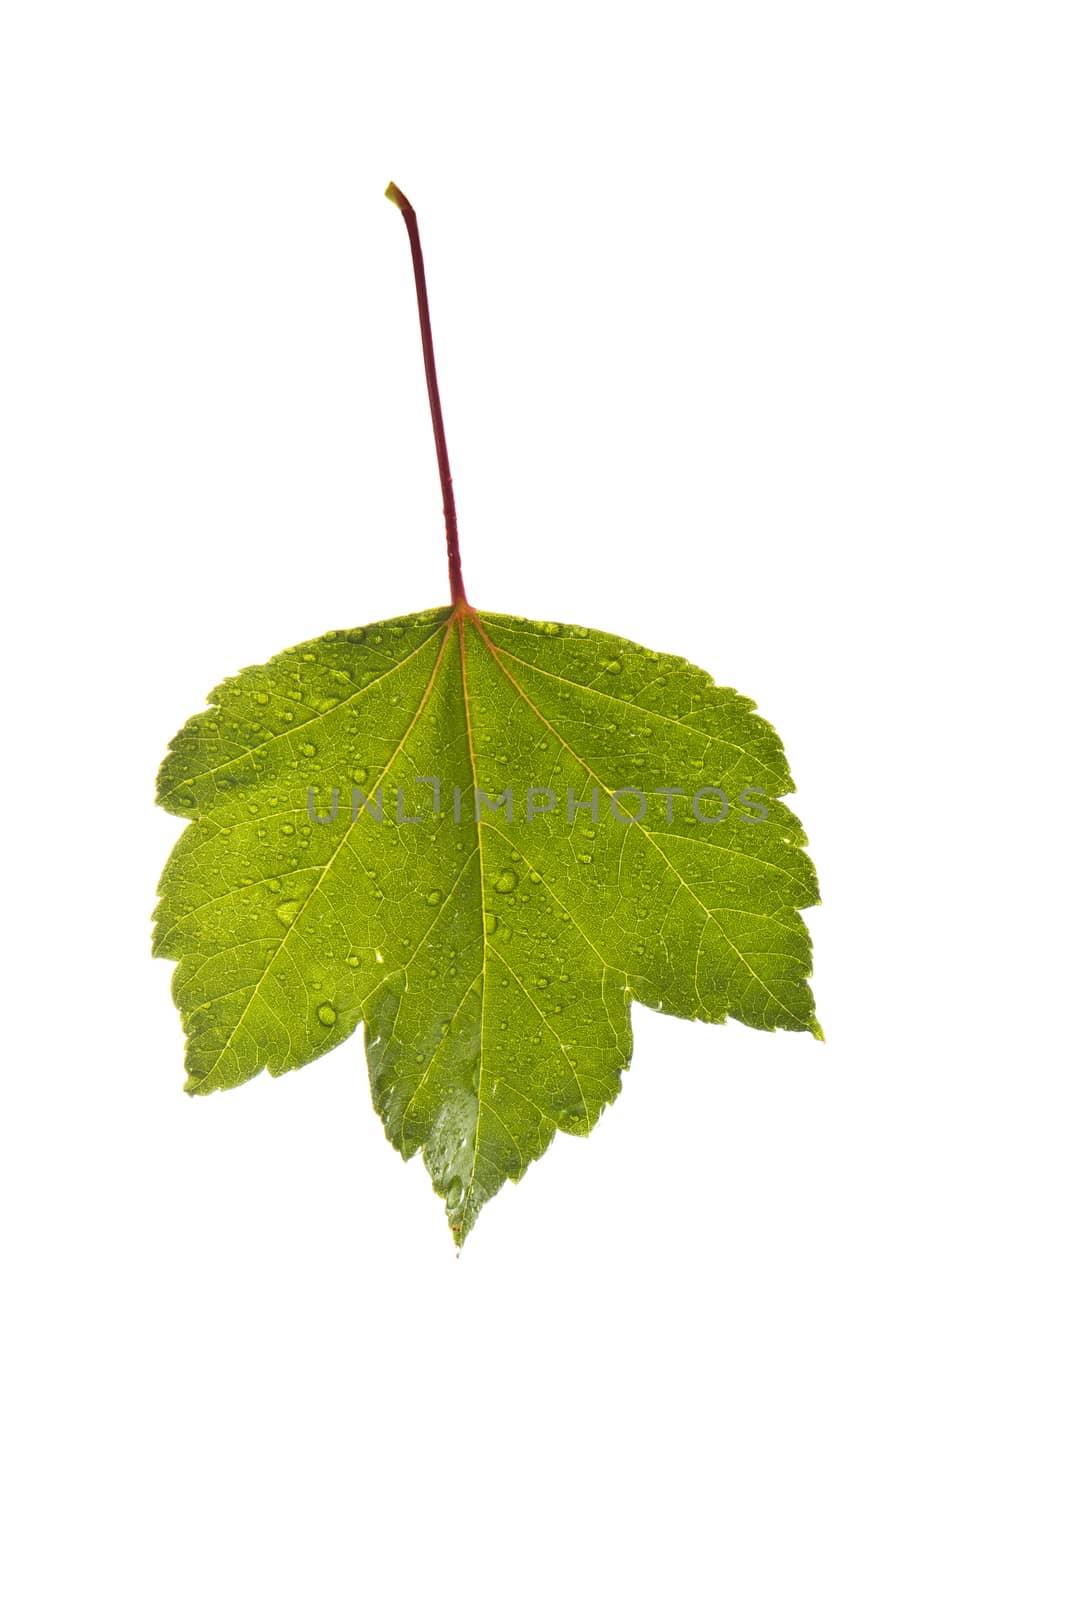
(483, 838)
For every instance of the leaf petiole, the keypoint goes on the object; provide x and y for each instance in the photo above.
(455, 569)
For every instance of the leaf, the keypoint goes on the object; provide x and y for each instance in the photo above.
(493, 962)
(595, 824)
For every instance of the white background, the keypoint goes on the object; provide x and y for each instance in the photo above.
(751, 332)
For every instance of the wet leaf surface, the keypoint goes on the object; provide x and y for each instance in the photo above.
(483, 838)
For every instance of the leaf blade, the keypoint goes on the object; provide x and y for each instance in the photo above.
(493, 959)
